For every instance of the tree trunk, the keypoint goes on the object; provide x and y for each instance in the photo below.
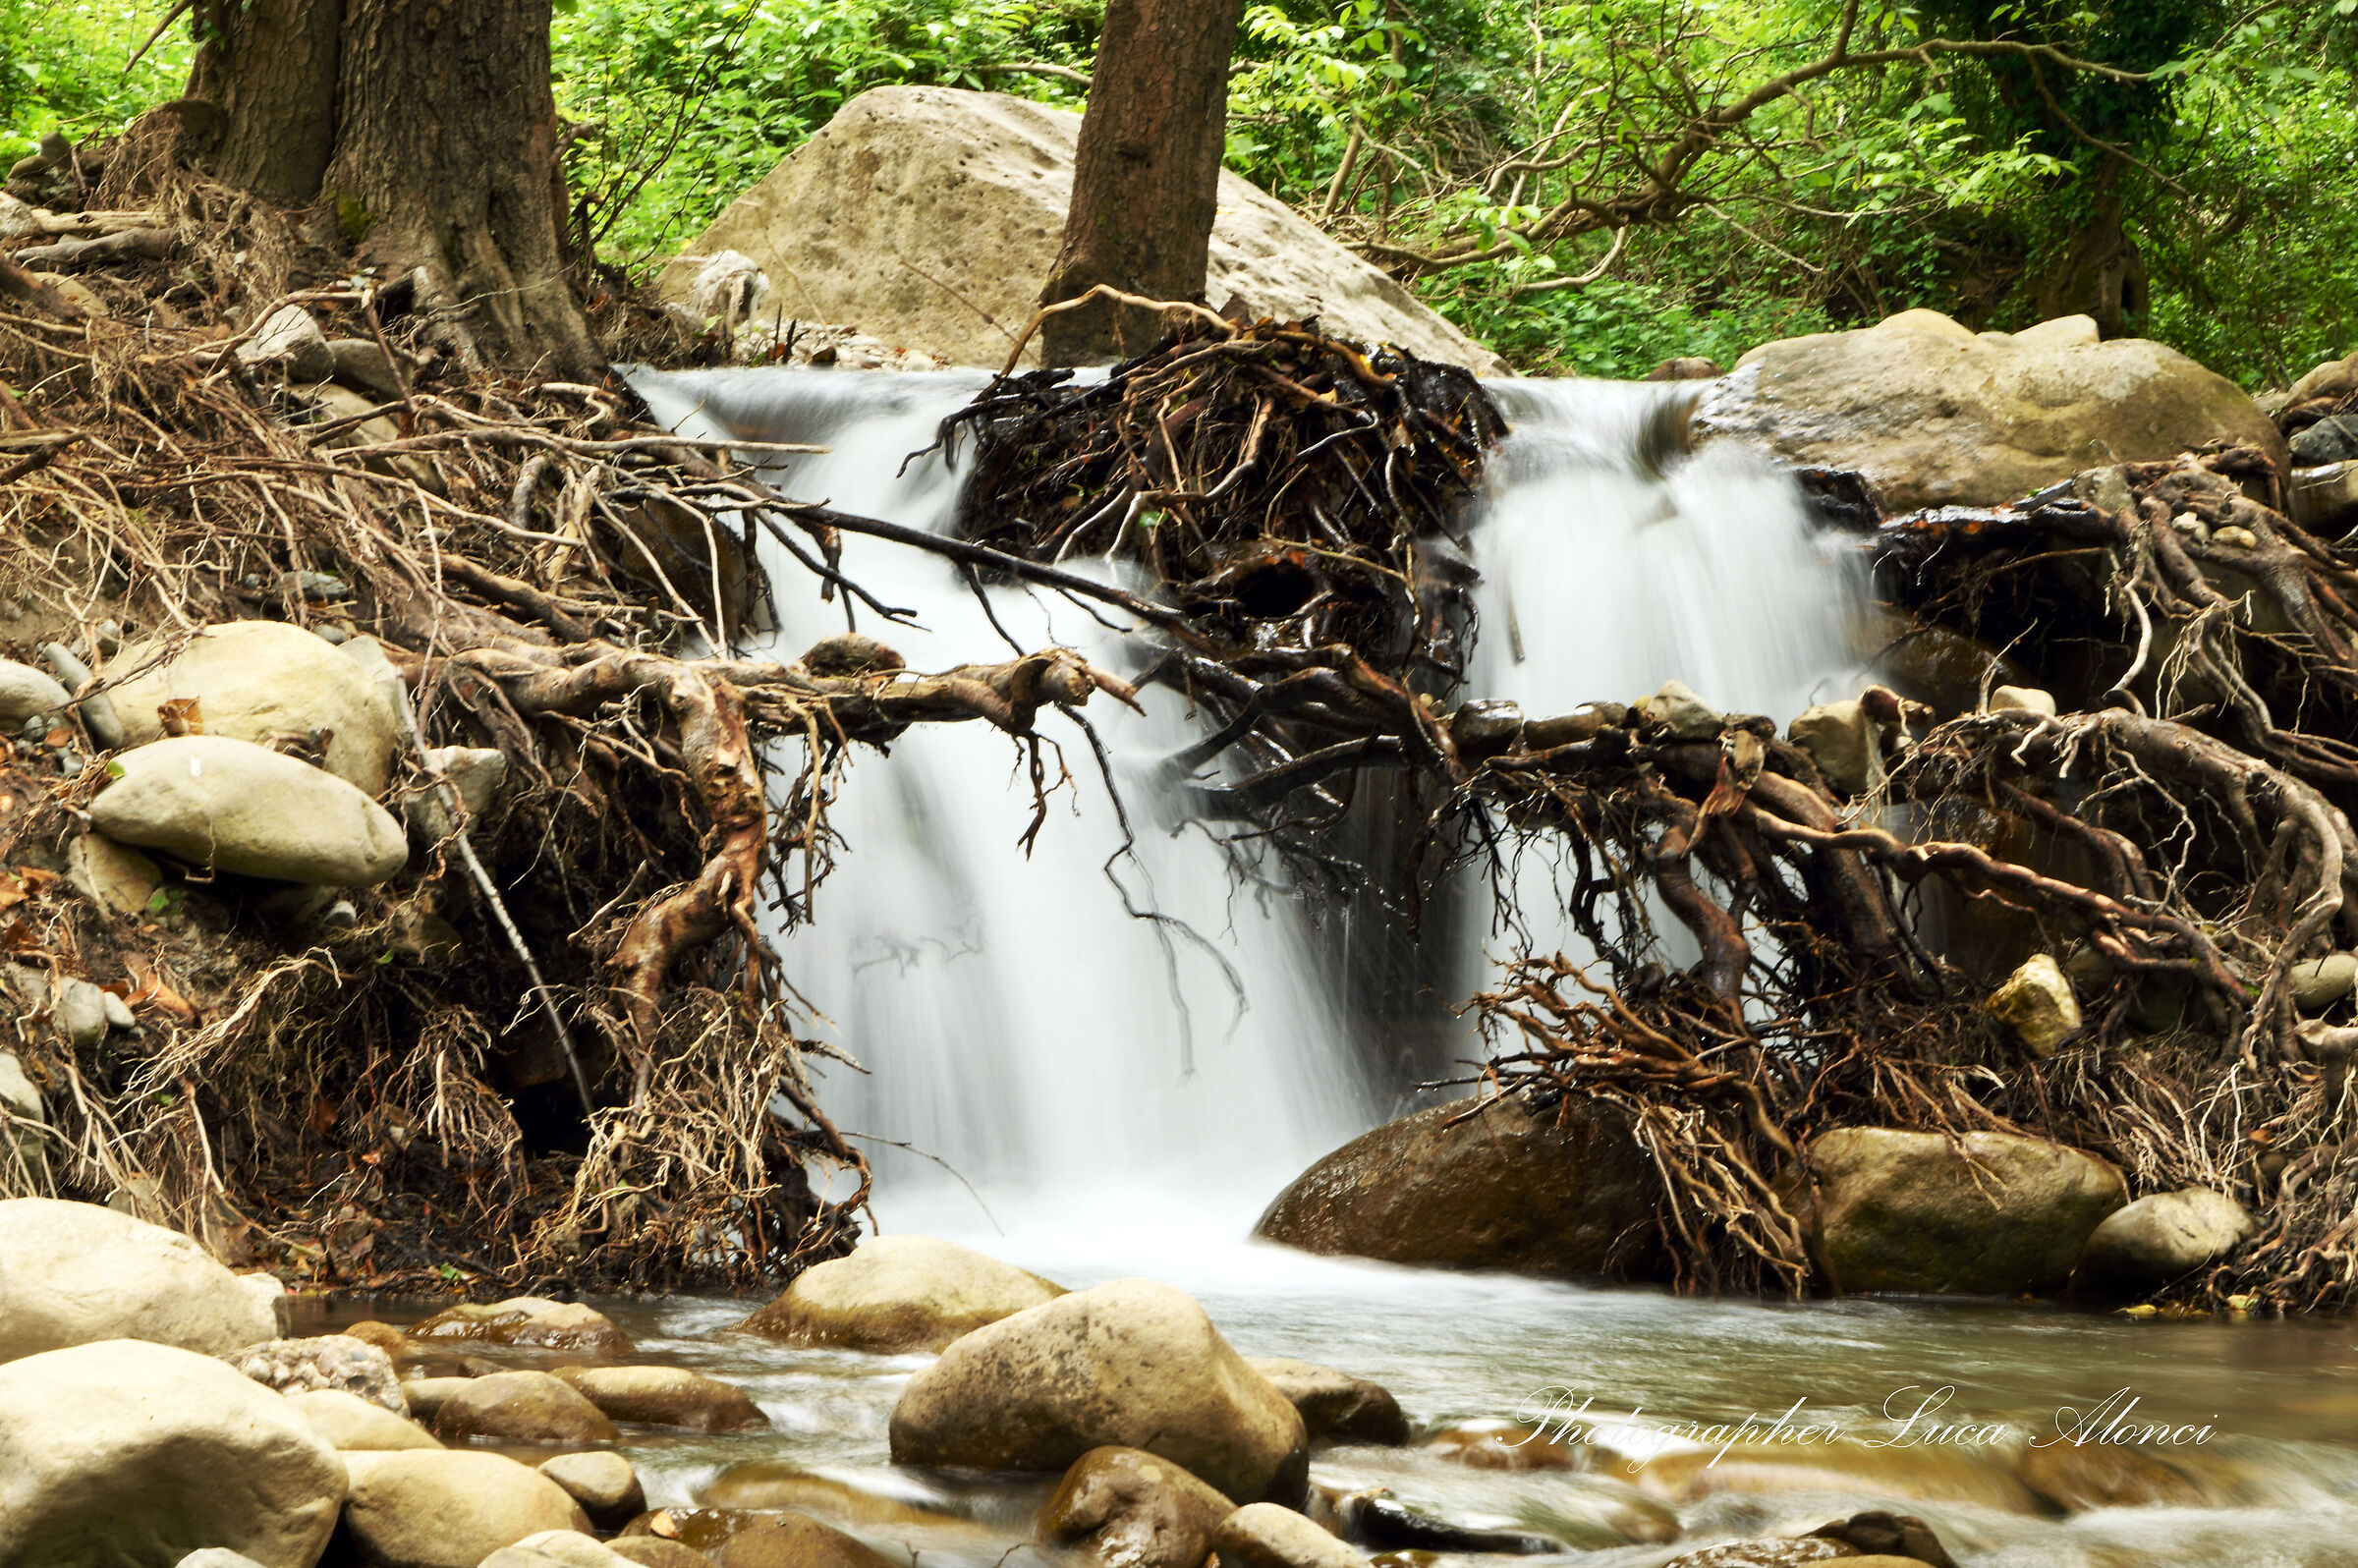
(2101, 273)
(429, 128)
(1146, 180)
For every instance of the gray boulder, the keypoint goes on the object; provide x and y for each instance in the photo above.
(899, 1293)
(258, 680)
(76, 1274)
(1131, 1363)
(24, 1155)
(930, 216)
(1566, 1195)
(25, 693)
(1985, 1215)
(2158, 1237)
(124, 1452)
(238, 806)
(1934, 414)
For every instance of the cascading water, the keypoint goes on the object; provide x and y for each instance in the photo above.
(1021, 1027)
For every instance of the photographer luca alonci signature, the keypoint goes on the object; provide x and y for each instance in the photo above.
(1558, 1415)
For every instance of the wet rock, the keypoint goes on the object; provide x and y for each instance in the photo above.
(1377, 1519)
(384, 1336)
(447, 1508)
(1934, 415)
(27, 693)
(528, 1321)
(1901, 1538)
(1679, 713)
(349, 1424)
(2078, 1477)
(71, 1273)
(1266, 1536)
(528, 1407)
(1486, 728)
(2322, 981)
(2331, 440)
(428, 1395)
(124, 1452)
(1565, 1194)
(555, 1549)
(290, 339)
(1841, 740)
(2037, 1003)
(1501, 1446)
(899, 1293)
(1128, 1509)
(331, 1361)
(237, 807)
(112, 875)
(769, 1484)
(2022, 699)
(2161, 1237)
(602, 1482)
(978, 187)
(1334, 1405)
(653, 1552)
(1986, 1214)
(796, 1541)
(258, 680)
(1133, 1362)
(666, 1396)
(1765, 1555)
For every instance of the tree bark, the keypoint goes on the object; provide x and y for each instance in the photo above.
(1146, 179)
(429, 128)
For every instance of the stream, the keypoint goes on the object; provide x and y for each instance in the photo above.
(1129, 1108)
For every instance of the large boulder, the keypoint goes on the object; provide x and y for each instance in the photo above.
(71, 1273)
(1129, 1509)
(1568, 1193)
(1935, 416)
(257, 680)
(124, 1452)
(929, 217)
(899, 1293)
(238, 806)
(446, 1508)
(666, 1396)
(1985, 1215)
(1133, 1364)
(2154, 1240)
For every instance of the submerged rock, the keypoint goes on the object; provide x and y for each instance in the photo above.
(1266, 1536)
(71, 1273)
(666, 1396)
(1336, 1404)
(237, 807)
(2160, 1237)
(1934, 415)
(1128, 1509)
(258, 680)
(653, 1552)
(1133, 1364)
(930, 215)
(2038, 1004)
(797, 1540)
(1568, 1193)
(447, 1508)
(124, 1452)
(2077, 1477)
(1985, 1215)
(899, 1293)
(529, 1407)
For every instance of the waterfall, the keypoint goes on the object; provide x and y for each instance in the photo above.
(1018, 1026)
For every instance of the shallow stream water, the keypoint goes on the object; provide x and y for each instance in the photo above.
(1119, 1114)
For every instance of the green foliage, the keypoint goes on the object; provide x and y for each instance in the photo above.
(61, 65)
